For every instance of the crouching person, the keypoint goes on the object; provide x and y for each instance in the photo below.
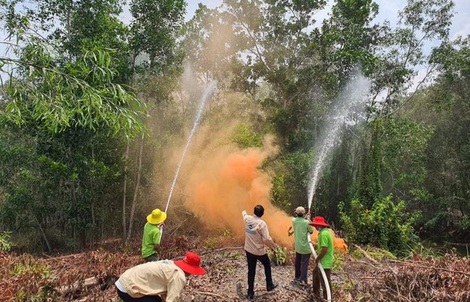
(158, 281)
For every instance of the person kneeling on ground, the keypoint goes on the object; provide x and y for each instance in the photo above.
(158, 281)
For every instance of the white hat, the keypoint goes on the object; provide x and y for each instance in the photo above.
(300, 210)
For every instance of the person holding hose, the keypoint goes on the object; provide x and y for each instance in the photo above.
(152, 235)
(325, 256)
(301, 231)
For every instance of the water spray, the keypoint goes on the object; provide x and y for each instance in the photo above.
(205, 96)
(353, 96)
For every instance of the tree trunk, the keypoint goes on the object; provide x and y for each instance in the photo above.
(124, 193)
(43, 234)
(136, 191)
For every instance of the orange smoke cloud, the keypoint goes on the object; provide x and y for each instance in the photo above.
(230, 182)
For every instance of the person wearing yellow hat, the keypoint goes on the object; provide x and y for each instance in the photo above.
(152, 235)
(158, 281)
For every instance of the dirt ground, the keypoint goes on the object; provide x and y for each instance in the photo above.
(227, 280)
(90, 276)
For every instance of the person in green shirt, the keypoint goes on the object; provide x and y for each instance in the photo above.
(324, 255)
(152, 235)
(302, 230)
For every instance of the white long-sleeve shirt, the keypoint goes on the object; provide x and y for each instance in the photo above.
(256, 235)
(162, 278)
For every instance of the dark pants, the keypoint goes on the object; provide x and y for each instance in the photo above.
(126, 298)
(153, 257)
(318, 280)
(301, 266)
(252, 260)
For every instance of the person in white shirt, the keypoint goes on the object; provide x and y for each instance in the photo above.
(158, 281)
(256, 237)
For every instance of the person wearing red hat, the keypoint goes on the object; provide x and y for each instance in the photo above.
(152, 235)
(158, 281)
(325, 255)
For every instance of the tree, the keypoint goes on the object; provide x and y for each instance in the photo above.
(69, 113)
(402, 51)
(448, 157)
(154, 30)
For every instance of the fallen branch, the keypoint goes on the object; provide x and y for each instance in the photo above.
(365, 253)
(66, 289)
(212, 294)
(48, 257)
(432, 267)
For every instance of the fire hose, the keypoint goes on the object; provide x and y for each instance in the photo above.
(320, 267)
(322, 271)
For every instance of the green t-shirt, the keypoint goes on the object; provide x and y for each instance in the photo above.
(151, 237)
(301, 228)
(325, 239)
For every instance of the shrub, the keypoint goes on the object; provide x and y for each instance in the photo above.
(5, 243)
(279, 256)
(385, 225)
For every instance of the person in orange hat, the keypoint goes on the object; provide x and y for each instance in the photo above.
(152, 235)
(158, 281)
(324, 255)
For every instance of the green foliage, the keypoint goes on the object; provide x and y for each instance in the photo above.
(5, 243)
(350, 29)
(337, 179)
(64, 118)
(279, 192)
(438, 223)
(373, 252)
(465, 223)
(404, 165)
(244, 137)
(290, 180)
(370, 182)
(39, 276)
(338, 261)
(153, 31)
(33, 268)
(448, 151)
(386, 225)
(279, 255)
(79, 95)
(426, 249)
